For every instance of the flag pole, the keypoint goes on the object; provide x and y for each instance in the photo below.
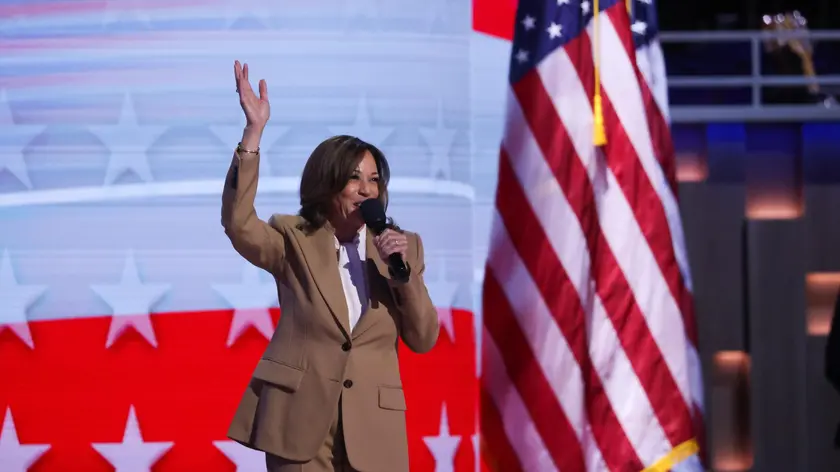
(599, 134)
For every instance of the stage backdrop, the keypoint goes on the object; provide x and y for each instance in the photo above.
(128, 324)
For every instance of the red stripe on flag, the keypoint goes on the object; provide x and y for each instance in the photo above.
(647, 208)
(496, 452)
(563, 302)
(663, 149)
(543, 407)
(660, 133)
(612, 287)
(580, 53)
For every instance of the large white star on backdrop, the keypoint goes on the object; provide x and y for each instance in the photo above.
(131, 301)
(439, 140)
(442, 293)
(128, 141)
(362, 127)
(14, 456)
(15, 138)
(244, 458)
(133, 454)
(16, 299)
(437, 10)
(251, 301)
(443, 446)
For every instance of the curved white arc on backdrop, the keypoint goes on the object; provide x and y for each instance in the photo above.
(191, 188)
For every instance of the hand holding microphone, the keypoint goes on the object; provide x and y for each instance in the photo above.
(392, 245)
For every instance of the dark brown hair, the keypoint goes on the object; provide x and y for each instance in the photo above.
(327, 171)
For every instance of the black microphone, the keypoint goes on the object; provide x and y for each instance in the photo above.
(374, 215)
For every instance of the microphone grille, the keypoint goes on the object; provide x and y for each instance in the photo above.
(373, 213)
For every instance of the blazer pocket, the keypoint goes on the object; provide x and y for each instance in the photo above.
(281, 375)
(392, 398)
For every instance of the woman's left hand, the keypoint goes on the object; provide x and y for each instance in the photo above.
(390, 242)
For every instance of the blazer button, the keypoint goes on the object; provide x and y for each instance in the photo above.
(345, 346)
(348, 383)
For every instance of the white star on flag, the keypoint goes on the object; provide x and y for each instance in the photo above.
(16, 299)
(555, 30)
(133, 454)
(584, 6)
(251, 301)
(443, 446)
(522, 55)
(128, 142)
(529, 22)
(639, 27)
(439, 140)
(131, 301)
(230, 135)
(244, 458)
(362, 127)
(442, 293)
(13, 140)
(14, 456)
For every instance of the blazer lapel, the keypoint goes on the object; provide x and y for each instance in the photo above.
(322, 258)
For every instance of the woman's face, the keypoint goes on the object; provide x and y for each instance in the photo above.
(363, 184)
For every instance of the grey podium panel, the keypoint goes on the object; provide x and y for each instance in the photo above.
(777, 344)
(823, 411)
(713, 219)
(713, 222)
(822, 227)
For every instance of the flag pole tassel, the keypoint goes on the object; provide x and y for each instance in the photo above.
(599, 133)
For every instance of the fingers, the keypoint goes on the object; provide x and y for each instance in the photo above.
(263, 90)
(390, 242)
(237, 73)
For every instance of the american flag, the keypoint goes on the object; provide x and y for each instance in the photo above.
(589, 356)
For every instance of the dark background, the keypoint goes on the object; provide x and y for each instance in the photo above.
(740, 15)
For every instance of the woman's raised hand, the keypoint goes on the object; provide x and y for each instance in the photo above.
(257, 109)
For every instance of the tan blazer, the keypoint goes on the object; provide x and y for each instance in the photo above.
(313, 358)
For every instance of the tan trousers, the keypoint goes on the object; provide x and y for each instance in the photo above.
(332, 457)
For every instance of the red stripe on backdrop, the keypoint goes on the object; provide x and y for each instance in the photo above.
(70, 391)
(494, 17)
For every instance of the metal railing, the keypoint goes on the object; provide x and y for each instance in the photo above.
(756, 110)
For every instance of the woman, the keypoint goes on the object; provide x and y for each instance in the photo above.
(326, 394)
